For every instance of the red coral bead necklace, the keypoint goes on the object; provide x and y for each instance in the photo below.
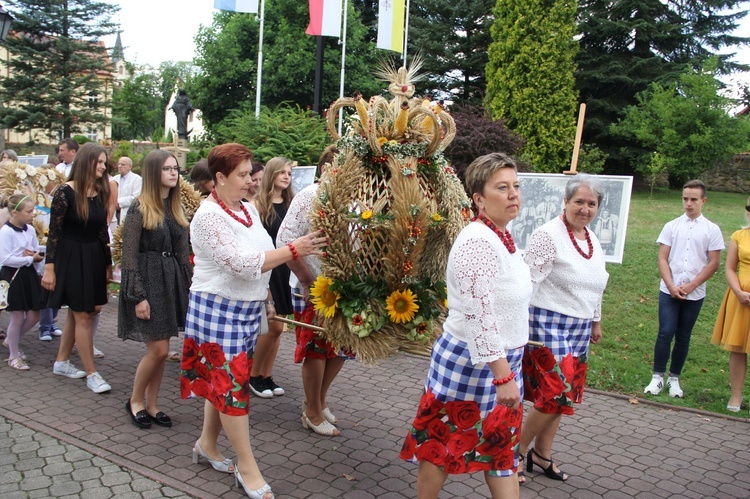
(504, 236)
(246, 223)
(573, 239)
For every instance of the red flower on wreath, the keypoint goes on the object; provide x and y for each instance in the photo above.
(463, 414)
(438, 430)
(190, 355)
(429, 407)
(213, 354)
(462, 442)
(432, 451)
(544, 358)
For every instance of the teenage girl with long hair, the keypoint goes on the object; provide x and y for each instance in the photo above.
(19, 251)
(273, 200)
(156, 276)
(79, 260)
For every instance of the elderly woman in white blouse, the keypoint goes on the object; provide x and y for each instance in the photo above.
(569, 276)
(233, 259)
(469, 418)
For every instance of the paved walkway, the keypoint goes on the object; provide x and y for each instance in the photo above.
(58, 439)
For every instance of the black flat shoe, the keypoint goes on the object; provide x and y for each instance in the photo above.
(161, 419)
(141, 419)
(549, 471)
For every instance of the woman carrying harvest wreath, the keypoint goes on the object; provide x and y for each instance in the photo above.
(469, 418)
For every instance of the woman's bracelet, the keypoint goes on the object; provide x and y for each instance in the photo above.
(508, 379)
(269, 302)
(295, 255)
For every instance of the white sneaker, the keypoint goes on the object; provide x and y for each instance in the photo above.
(98, 353)
(97, 384)
(656, 385)
(68, 369)
(56, 331)
(673, 384)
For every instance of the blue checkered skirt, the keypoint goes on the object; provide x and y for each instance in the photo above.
(562, 334)
(233, 324)
(459, 427)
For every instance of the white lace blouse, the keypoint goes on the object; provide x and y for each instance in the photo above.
(228, 255)
(564, 281)
(488, 294)
(296, 224)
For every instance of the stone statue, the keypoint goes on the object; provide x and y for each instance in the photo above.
(182, 109)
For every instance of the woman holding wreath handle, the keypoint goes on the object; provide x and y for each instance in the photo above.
(469, 418)
(233, 259)
(569, 276)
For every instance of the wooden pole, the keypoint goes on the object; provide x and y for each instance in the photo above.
(577, 143)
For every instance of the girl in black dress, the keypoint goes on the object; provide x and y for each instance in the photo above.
(79, 261)
(156, 275)
(273, 199)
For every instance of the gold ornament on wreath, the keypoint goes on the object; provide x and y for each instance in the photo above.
(392, 207)
(33, 181)
(190, 199)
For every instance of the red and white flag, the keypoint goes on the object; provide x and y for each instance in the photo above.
(325, 18)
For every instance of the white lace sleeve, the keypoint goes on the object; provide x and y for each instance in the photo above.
(540, 256)
(477, 270)
(296, 223)
(212, 233)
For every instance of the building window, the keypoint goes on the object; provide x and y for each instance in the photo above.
(92, 134)
(93, 99)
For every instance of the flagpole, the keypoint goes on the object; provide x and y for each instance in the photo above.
(406, 32)
(260, 59)
(343, 62)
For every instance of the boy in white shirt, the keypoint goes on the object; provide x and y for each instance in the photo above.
(689, 252)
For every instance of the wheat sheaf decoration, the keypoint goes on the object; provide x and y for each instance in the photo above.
(34, 182)
(392, 207)
(190, 199)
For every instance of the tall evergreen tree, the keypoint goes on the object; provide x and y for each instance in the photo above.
(530, 77)
(58, 66)
(626, 45)
(227, 56)
(453, 37)
(137, 109)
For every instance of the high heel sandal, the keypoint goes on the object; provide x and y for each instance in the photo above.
(520, 473)
(324, 428)
(223, 466)
(549, 471)
(253, 494)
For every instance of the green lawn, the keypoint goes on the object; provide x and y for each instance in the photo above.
(622, 362)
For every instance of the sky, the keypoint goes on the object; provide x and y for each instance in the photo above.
(154, 31)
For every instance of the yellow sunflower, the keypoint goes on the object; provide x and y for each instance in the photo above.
(436, 217)
(366, 215)
(401, 306)
(324, 300)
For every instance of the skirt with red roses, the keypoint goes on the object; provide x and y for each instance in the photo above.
(217, 353)
(459, 426)
(310, 343)
(554, 375)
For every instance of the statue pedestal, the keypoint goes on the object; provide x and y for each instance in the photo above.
(181, 153)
